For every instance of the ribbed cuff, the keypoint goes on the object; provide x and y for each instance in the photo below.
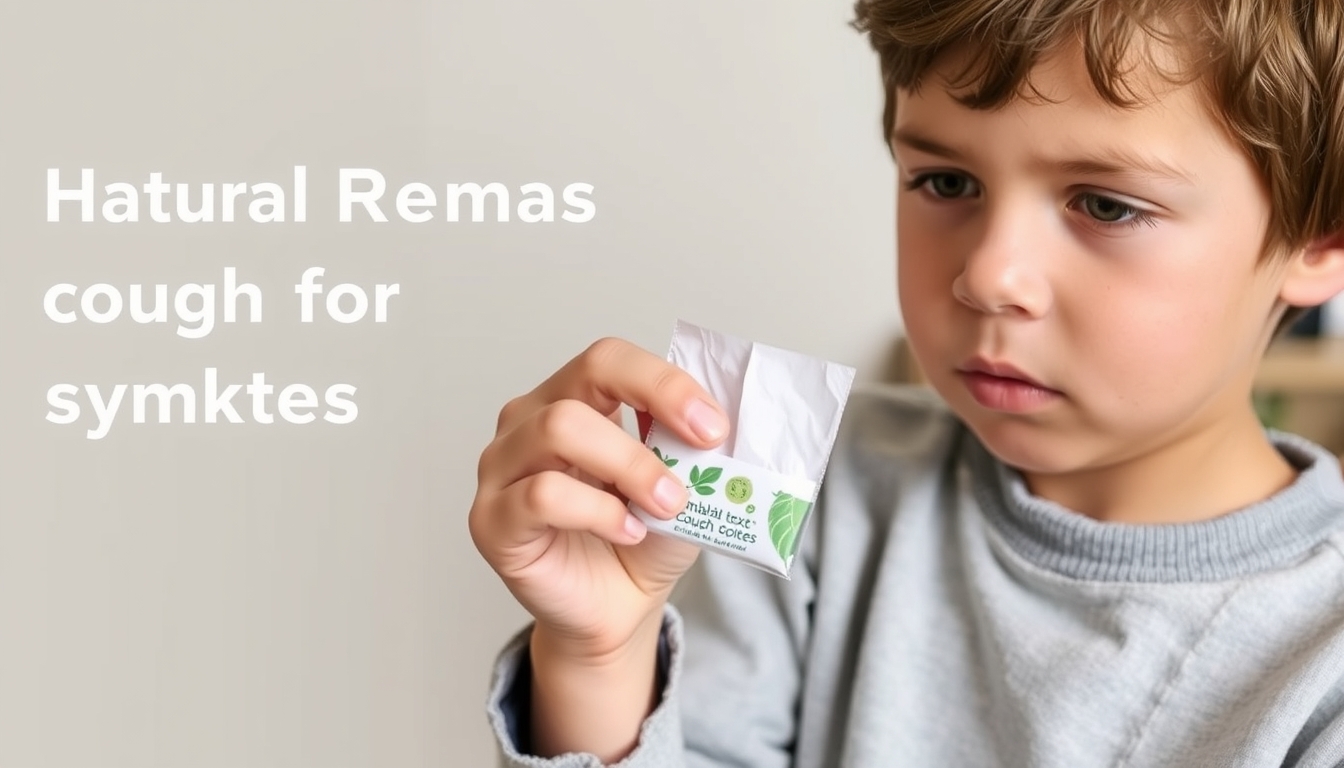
(660, 739)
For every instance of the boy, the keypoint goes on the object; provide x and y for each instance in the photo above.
(1088, 552)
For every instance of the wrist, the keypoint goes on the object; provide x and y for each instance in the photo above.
(565, 649)
(593, 700)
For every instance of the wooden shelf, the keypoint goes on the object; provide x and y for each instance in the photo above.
(1303, 366)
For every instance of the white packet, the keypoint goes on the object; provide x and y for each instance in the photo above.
(751, 497)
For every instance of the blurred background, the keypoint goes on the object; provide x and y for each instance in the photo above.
(307, 595)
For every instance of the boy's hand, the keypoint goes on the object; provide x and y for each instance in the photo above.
(550, 511)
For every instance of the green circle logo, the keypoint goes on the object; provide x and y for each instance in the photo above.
(737, 489)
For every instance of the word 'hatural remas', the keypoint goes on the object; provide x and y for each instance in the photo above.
(362, 194)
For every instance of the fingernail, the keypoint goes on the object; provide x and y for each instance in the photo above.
(669, 494)
(706, 422)
(635, 528)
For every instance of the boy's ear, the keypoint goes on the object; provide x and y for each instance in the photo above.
(1316, 273)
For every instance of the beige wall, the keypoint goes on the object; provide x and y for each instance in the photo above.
(307, 595)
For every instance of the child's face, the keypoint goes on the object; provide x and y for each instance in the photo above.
(1109, 255)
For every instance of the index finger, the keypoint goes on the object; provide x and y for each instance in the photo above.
(614, 371)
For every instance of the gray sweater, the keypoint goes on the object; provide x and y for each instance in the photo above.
(943, 616)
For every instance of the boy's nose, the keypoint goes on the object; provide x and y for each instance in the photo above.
(1004, 274)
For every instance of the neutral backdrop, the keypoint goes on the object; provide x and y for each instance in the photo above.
(307, 595)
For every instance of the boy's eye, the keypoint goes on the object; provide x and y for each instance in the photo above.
(946, 185)
(1107, 210)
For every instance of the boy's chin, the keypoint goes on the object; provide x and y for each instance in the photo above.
(1047, 443)
(1032, 448)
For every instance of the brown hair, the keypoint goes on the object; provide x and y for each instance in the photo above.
(1273, 71)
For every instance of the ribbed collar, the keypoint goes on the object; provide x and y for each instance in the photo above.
(1265, 536)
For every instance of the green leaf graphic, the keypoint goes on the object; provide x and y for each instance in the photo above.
(704, 490)
(668, 461)
(711, 474)
(786, 516)
(695, 475)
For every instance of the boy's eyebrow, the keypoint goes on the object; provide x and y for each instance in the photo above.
(926, 145)
(1108, 162)
(1117, 162)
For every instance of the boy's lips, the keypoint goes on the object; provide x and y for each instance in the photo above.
(1003, 387)
(999, 370)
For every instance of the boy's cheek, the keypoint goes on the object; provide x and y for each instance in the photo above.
(920, 262)
(925, 289)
